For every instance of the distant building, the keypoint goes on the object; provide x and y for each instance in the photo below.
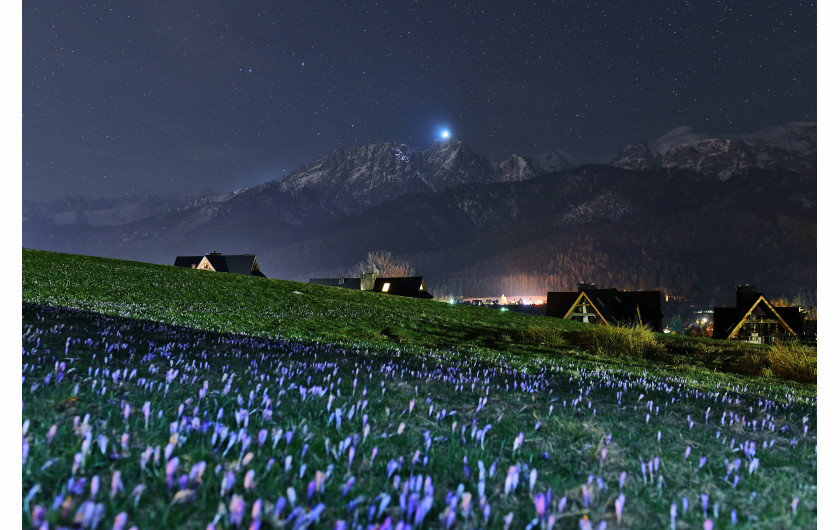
(754, 319)
(411, 286)
(214, 261)
(610, 307)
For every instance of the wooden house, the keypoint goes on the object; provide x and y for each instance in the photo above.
(609, 307)
(214, 261)
(754, 319)
(411, 286)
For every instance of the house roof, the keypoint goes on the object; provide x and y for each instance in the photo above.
(234, 263)
(188, 261)
(729, 319)
(408, 286)
(614, 306)
(412, 286)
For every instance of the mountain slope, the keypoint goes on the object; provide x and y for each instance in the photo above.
(788, 147)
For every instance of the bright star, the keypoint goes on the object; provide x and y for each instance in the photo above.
(444, 134)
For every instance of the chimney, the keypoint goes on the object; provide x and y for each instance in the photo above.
(586, 286)
(745, 295)
(368, 280)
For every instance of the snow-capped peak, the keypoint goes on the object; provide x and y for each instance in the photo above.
(676, 137)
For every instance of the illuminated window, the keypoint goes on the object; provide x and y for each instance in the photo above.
(385, 287)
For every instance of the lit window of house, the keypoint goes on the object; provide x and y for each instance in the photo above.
(385, 287)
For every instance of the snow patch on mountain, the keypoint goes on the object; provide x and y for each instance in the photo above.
(677, 137)
(789, 147)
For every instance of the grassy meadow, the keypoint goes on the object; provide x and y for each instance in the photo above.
(159, 397)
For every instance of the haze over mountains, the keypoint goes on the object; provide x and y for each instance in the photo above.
(686, 213)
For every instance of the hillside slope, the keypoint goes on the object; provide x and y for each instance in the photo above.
(275, 308)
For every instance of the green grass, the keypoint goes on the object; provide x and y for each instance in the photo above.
(570, 389)
(271, 308)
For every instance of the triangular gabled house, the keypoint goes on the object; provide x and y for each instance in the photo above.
(610, 307)
(754, 319)
(245, 264)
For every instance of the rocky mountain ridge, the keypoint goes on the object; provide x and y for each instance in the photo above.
(790, 147)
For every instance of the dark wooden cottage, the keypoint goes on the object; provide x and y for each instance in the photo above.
(754, 319)
(214, 261)
(610, 307)
(411, 286)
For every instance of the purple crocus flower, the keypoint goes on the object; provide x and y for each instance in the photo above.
(619, 507)
(119, 521)
(539, 504)
(279, 506)
(94, 486)
(171, 467)
(116, 483)
(249, 480)
(237, 510)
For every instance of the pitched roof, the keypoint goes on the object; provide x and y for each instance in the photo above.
(614, 306)
(234, 263)
(729, 319)
(407, 286)
(188, 261)
(412, 286)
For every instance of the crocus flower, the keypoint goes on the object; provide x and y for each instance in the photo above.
(508, 519)
(539, 504)
(51, 433)
(619, 507)
(171, 467)
(237, 510)
(249, 480)
(38, 515)
(517, 442)
(147, 408)
(116, 483)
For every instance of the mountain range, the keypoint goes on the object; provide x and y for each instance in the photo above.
(686, 213)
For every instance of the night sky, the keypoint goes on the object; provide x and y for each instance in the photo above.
(172, 98)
